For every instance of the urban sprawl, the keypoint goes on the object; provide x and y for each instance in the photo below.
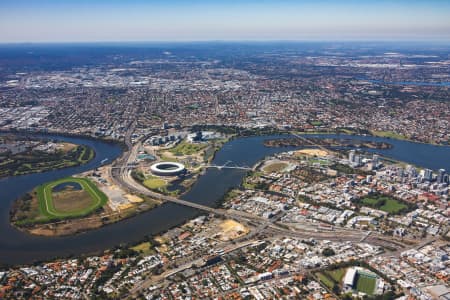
(311, 223)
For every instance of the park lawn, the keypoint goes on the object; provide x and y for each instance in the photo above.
(365, 284)
(325, 280)
(390, 205)
(316, 123)
(337, 274)
(370, 201)
(389, 134)
(154, 183)
(164, 157)
(144, 248)
(48, 208)
(185, 148)
(322, 162)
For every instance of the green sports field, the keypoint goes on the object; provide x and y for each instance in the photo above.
(384, 203)
(69, 204)
(365, 284)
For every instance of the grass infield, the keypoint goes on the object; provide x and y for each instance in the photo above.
(47, 204)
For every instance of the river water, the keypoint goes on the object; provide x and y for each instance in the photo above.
(17, 247)
(415, 83)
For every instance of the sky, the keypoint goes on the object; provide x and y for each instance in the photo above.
(201, 20)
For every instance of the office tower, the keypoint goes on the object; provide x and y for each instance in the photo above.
(351, 156)
(441, 176)
(427, 174)
(376, 160)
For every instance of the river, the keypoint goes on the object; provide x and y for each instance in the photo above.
(17, 247)
(416, 83)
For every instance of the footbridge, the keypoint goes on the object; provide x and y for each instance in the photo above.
(228, 166)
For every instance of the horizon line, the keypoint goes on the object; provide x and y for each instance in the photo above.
(181, 41)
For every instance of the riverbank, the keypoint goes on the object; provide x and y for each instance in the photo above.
(326, 142)
(25, 216)
(194, 156)
(22, 155)
(47, 133)
(19, 247)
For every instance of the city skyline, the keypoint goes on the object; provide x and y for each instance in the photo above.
(103, 21)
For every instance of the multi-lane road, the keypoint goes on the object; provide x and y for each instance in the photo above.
(122, 176)
(120, 172)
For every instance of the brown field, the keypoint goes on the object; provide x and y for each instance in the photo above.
(31, 212)
(67, 227)
(74, 226)
(231, 230)
(275, 167)
(66, 147)
(312, 152)
(69, 201)
(134, 198)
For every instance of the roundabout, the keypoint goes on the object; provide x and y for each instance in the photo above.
(167, 168)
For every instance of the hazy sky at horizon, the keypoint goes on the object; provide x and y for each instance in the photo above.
(176, 20)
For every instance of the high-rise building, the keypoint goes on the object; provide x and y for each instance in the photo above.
(427, 174)
(441, 176)
(351, 156)
(376, 160)
(411, 171)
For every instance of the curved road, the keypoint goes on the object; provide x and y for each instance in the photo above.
(121, 175)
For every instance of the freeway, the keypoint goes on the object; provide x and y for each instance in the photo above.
(122, 177)
(121, 174)
(127, 181)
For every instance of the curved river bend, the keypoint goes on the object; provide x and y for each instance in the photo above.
(17, 247)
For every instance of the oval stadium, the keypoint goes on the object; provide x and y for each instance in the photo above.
(167, 168)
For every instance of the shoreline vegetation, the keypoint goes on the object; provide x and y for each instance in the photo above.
(44, 133)
(328, 142)
(70, 226)
(31, 159)
(37, 212)
(102, 218)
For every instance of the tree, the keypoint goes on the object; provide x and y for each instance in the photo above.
(328, 252)
(336, 289)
